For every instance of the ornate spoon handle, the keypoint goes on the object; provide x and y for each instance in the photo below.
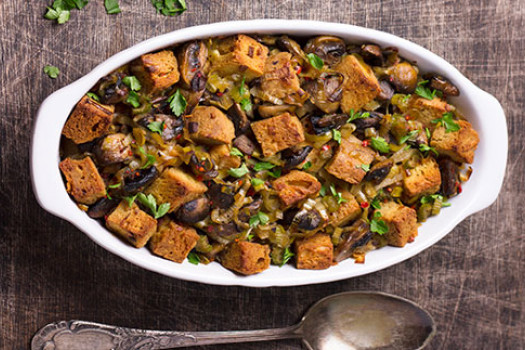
(82, 335)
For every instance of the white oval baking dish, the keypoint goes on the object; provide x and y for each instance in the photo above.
(481, 109)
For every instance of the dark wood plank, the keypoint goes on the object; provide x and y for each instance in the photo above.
(472, 281)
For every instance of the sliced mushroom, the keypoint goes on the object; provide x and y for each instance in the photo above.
(170, 126)
(293, 157)
(114, 148)
(308, 220)
(221, 196)
(372, 54)
(284, 43)
(224, 233)
(193, 211)
(193, 61)
(239, 119)
(288, 217)
(371, 121)
(267, 111)
(328, 48)
(449, 177)
(112, 90)
(102, 207)
(404, 77)
(379, 171)
(442, 84)
(386, 91)
(245, 144)
(352, 237)
(139, 179)
(246, 212)
(327, 122)
(326, 91)
(202, 165)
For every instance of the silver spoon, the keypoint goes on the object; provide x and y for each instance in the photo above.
(345, 321)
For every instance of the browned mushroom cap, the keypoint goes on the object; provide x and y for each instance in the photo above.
(326, 91)
(114, 148)
(293, 157)
(193, 211)
(353, 236)
(193, 62)
(372, 54)
(327, 122)
(169, 125)
(267, 111)
(139, 179)
(449, 177)
(221, 196)
(328, 48)
(203, 166)
(404, 77)
(379, 171)
(239, 119)
(112, 90)
(284, 43)
(442, 84)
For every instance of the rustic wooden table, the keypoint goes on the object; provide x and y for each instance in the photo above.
(472, 281)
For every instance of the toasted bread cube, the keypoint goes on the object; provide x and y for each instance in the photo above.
(401, 221)
(133, 224)
(175, 187)
(296, 186)
(172, 241)
(424, 179)
(347, 162)
(314, 253)
(280, 81)
(208, 125)
(221, 156)
(458, 145)
(83, 180)
(278, 133)
(88, 121)
(245, 257)
(425, 110)
(360, 85)
(240, 54)
(348, 211)
(156, 71)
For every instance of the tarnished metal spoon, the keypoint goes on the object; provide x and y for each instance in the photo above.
(351, 320)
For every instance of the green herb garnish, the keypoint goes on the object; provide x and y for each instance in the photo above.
(236, 152)
(133, 99)
(337, 195)
(93, 96)
(150, 202)
(287, 255)
(380, 144)
(60, 10)
(263, 166)
(150, 159)
(157, 127)
(315, 61)
(427, 131)
(377, 225)
(246, 104)
(52, 71)
(117, 185)
(336, 135)
(365, 167)
(322, 192)
(242, 89)
(307, 165)
(169, 7)
(357, 115)
(256, 182)
(424, 91)
(177, 103)
(408, 136)
(259, 218)
(130, 199)
(193, 258)
(275, 172)
(448, 122)
(376, 203)
(132, 82)
(112, 7)
(239, 172)
(433, 197)
(426, 148)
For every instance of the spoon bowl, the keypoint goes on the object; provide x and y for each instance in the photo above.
(344, 321)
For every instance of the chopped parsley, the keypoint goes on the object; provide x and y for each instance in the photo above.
(263, 166)
(236, 152)
(408, 136)
(130, 199)
(150, 159)
(112, 7)
(426, 148)
(93, 96)
(132, 82)
(133, 99)
(177, 103)
(117, 185)
(424, 91)
(239, 172)
(357, 115)
(448, 122)
(169, 7)
(157, 127)
(336, 135)
(60, 10)
(307, 165)
(315, 60)
(378, 225)
(52, 71)
(150, 202)
(337, 195)
(246, 104)
(380, 144)
(193, 258)
(322, 192)
(256, 182)
(259, 218)
(427, 131)
(365, 167)
(242, 89)
(287, 255)
(275, 172)
(433, 197)
(376, 203)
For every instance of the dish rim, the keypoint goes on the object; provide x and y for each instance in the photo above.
(478, 193)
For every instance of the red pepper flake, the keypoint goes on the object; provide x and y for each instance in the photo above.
(298, 70)
(178, 136)
(411, 239)
(164, 126)
(360, 259)
(105, 217)
(130, 152)
(325, 147)
(211, 203)
(199, 177)
(193, 69)
(219, 94)
(240, 182)
(133, 141)
(459, 188)
(137, 174)
(389, 189)
(365, 143)
(407, 117)
(209, 228)
(248, 156)
(391, 79)
(250, 192)
(364, 205)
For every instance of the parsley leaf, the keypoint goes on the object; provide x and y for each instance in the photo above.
(426, 148)
(256, 182)
(177, 103)
(307, 165)
(133, 99)
(287, 255)
(315, 60)
(150, 159)
(239, 172)
(259, 218)
(275, 172)
(242, 89)
(357, 115)
(52, 71)
(112, 7)
(322, 192)
(93, 96)
(408, 136)
(117, 185)
(365, 167)
(263, 166)
(132, 82)
(236, 152)
(376, 203)
(448, 122)
(423, 91)
(377, 225)
(336, 135)
(337, 195)
(427, 131)
(79, 4)
(60, 10)
(380, 144)
(150, 202)
(193, 258)
(130, 199)
(246, 104)
(162, 210)
(157, 127)
(432, 198)
(169, 7)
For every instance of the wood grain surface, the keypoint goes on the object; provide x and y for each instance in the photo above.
(472, 281)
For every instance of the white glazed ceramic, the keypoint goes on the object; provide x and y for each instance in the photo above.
(481, 109)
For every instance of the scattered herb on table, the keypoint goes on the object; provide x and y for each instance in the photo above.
(52, 71)
(170, 7)
(112, 7)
